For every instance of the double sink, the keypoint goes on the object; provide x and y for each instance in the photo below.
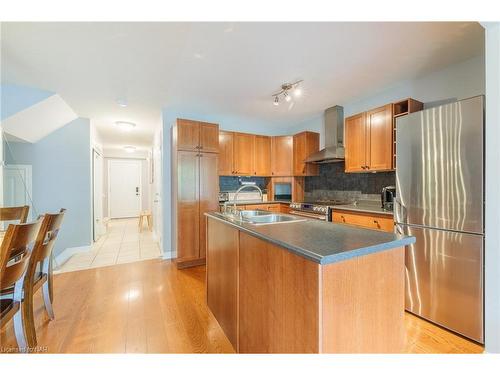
(261, 217)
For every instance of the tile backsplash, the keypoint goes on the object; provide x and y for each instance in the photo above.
(232, 183)
(334, 183)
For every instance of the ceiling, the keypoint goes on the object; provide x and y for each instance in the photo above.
(222, 68)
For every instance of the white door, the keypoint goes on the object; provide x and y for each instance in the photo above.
(124, 188)
(97, 193)
(17, 187)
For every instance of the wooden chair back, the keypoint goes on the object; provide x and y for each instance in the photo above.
(47, 235)
(14, 213)
(19, 241)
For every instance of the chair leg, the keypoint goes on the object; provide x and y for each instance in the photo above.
(19, 330)
(46, 288)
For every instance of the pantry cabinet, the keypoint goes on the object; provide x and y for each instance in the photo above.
(197, 136)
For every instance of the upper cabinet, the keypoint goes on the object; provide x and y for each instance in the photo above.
(243, 154)
(226, 140)
(262, 156)
(197, 136)
(305, 144)
(369, 141)
(379, 138)
(355, 143)
(282, 155)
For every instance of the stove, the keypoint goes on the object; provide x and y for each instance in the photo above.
(320, 210)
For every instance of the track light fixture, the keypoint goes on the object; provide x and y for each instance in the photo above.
(286, 90)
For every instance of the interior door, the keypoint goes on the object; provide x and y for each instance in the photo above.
(209, 188)
(444, 278)
(157, 161)
(17, 188)
(124, 188)
(97, 194)
(355, 143)
(188, 205)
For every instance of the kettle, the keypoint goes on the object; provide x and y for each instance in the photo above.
(387, 197)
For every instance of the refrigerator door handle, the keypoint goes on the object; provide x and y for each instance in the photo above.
(400, 211)
(399, 229)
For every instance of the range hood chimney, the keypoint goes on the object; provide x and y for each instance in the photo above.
(334, 151)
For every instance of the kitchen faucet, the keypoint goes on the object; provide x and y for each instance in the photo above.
(238, 191)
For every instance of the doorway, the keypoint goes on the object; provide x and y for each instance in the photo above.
(97, 163)
(124, 188)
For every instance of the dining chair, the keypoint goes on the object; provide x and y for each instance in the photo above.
(19, 239)
(14, 213)
(39, 273)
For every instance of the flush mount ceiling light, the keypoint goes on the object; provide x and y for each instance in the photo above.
(129, 149)
(122, 103)
(286, 90)
(125, 126)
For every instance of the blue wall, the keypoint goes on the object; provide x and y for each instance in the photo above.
(15, 98)
(61, 178)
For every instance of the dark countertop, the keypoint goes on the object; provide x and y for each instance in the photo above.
(319, 241)
(366, 208)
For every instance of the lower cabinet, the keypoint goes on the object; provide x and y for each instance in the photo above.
(365, 220)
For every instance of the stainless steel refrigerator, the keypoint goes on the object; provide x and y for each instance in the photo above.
(440, 201)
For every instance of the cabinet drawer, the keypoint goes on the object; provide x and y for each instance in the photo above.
(364, 220)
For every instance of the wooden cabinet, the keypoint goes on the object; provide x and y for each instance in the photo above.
(365, 220)
(262, 156)
(379, 138)
(226, 140)
(243, 154)
(355, 143)
(368, 140)
(282, 155)
(195, 187)
(222, 277)
(193, 135)
(305, 144)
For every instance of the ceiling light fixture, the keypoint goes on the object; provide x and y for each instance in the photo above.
(125, 125)
(285, 91)
(129, 149)
(122, 103)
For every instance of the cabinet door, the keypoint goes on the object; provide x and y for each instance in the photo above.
(262, 156)
(188, 207)
(304, 144)
(355, 143)
(243, 154)
(226, 153)
(209, 188)
(188, 135)
(209, 137)
(379, 135)
(282, 156)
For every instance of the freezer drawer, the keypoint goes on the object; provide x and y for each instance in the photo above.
(444, 279)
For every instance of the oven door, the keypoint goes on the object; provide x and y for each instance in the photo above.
(309, 215)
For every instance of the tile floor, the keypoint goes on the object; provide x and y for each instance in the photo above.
(121, 244)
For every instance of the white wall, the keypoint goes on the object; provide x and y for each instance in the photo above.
(492, 214)
(458, 81)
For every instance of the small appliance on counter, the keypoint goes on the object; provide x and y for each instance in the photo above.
(387, 197)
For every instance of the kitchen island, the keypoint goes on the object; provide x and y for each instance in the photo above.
(306, 286)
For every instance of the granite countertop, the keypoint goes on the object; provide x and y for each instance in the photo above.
(367, 206)
(319, 241)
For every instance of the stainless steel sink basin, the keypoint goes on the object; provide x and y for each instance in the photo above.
(253, 213)
(272, 218)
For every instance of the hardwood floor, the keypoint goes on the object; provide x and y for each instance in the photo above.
(152, 307)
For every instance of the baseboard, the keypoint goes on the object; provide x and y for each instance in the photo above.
(68, 253)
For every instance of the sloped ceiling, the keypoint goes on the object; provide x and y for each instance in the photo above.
(39, 120)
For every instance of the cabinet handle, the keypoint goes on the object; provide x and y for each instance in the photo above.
(363, 167)
(367, 167)
(200, 147)
(343, 219)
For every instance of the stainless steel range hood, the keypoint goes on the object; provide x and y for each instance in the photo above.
(334, 151)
